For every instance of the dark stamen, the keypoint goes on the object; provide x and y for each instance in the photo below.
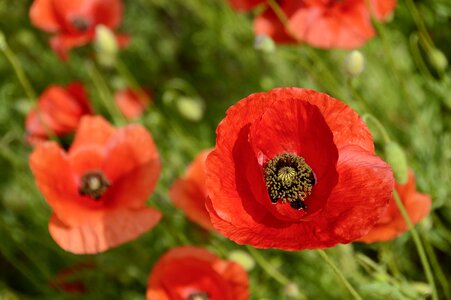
(80, 23)
(93, 184)
(289, 179)
(198, 296)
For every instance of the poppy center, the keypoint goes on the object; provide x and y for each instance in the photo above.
(93, 184)
(289, 179)
(198, 296)
(81, 24)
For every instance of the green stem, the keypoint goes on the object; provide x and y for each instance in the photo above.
(380, 127)
(14, 61)
(418, 244)
(105, 95)
(416, 55)
(424, 35)
(340, 275)
(436, 265)
(267, 267)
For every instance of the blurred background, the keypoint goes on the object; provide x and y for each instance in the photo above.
(199, 57)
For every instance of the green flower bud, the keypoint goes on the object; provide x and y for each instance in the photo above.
(106, 46)
(396, 158)
(264, 43)
(190, 108)
(292, 290)
(3, 44)
(243, 259)
(438, 60)
(355, 63)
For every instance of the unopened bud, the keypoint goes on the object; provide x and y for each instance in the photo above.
(264, 43)
(3, 44)
(106, 46)
(355, 63)
(291, 290)
(438, 60)
(422, 288)
(243, 259)
(397, 160)
(190, 108)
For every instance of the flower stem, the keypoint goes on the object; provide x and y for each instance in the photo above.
(267, 267)
(14, 61)
(105, 94)
(340, 275)
(380, 127)
(418, 244)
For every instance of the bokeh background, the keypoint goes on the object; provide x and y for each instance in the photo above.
(198, 57)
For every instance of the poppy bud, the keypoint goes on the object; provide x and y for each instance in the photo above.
(397, 160)
(355, 63)
(438, 60)
(264, 43)
(291, 290)
(106, 46)
(191, 108)
(2, 41)
(242, 258)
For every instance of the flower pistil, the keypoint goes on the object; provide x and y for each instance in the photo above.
(198, 296)
(289, 179)
(93, 184)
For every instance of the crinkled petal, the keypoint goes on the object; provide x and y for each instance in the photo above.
(113, 229)
(42, 15)
(92, 131)
(346, 125)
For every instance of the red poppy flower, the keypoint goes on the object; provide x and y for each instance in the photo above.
(190, 192)
(295, 169)
(320, 23)
(58, 112)
(70, 279)
(196, 274)
(74, 22)
(392, 223)
(245, 5)
(132, 103)
(98, 189)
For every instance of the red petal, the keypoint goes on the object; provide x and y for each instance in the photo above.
(42, 15)
(62, 43)
(112, 230)
(53, 176)
(189, 193)
(362, 194)
(304, 132)
(95, 131)
(245, 5)
(235, 203)
(107, 12)
(346, 125)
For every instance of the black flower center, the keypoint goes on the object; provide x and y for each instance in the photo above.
(80, 23)
(198, 296)
(289, 179)
(93, 184)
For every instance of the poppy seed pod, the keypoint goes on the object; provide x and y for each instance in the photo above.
(438, 60)
(397, 160)
(106, 46)
(295, 169)
(354, 63)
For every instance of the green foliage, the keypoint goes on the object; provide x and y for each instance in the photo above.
(191, 49)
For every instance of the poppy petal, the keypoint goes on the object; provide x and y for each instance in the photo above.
(42, 15)
(346, 125)
(303, 132)
(51, 170)
(116, 227)
(361, 196)
(94, 131)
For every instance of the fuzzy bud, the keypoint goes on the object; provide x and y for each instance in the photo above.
(3, 44)
(106, 46)
(190, 108)
(264, 43)
(438, 60)
(397, 160)
(291, 290)
(243, 259)
(355, 63)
